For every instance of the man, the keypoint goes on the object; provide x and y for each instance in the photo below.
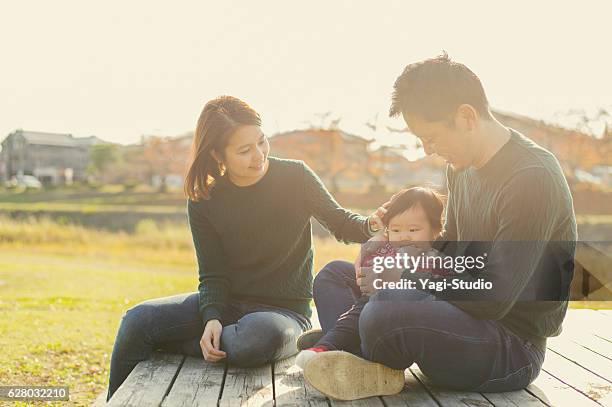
(509, 201)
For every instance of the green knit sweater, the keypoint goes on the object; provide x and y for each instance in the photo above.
(254, 243)
(520, 205)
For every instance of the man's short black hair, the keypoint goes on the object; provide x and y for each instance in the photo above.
(434, 88)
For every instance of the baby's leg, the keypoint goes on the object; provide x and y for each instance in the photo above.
(345, 334)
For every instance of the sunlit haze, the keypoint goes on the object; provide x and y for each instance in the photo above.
(119, 70)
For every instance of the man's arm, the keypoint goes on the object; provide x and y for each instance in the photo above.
(449, 233)
(527, 210)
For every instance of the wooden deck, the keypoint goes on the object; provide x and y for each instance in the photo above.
(577, 372)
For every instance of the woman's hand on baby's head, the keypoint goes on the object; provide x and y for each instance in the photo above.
(375, 219)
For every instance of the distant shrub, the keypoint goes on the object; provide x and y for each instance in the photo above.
(130, 185)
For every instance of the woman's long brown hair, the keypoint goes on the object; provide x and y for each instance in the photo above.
(219, 119)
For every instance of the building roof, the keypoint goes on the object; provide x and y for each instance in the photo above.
(322, 132)
(56, 139)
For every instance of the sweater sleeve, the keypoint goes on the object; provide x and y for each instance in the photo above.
(346, 226)
(450, 223)
(212, 265)
(527, 209)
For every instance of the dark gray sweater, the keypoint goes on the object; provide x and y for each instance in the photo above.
(255, 243)
(520, 207)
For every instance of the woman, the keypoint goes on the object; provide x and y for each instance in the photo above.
(249, 215)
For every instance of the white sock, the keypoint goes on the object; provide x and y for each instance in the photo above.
(303, 357)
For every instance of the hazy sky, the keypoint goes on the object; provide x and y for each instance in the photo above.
(121, 69)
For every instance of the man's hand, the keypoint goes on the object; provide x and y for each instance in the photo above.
(366, 249)
(365, 280)
(211, 341)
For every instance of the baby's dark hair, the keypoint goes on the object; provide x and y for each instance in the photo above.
(430, 200)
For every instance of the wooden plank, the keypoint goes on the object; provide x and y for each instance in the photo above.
(579, 378)
(414, 394)
(450, 398)
(198, 383)
(554, 392)
(149, 382)
(591, 342)
(606, 312)
(369, 402)
(587, 321)
(517, 398)
(247, 387)
(100, 401)
(589, 360)
(290, 388)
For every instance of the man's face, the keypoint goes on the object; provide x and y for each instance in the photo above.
(451, 139)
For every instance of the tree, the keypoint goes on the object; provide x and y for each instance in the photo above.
(163, 156)
(102, 157)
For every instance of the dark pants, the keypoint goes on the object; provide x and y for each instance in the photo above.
(252, 335)
(401, 327)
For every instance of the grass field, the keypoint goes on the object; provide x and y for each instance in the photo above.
(63, 290)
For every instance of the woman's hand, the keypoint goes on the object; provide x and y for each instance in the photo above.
(211, 341)
(375, 219)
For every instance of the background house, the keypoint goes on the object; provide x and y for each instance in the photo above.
(348, 163)
(51, 157)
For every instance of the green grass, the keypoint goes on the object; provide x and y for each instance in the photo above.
(88, 207)
(64, 288)
(105, 195)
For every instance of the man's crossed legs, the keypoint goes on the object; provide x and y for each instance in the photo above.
(400, 327)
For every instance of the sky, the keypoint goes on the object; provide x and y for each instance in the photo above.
(123, 69)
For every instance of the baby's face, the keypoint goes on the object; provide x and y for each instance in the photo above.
(411, 225)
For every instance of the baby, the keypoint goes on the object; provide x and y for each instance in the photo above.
(412, 221)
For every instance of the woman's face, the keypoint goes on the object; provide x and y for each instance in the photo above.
(411, 225)
(246, 155)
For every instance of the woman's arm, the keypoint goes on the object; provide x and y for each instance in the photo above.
(345, 225)
(212, 264)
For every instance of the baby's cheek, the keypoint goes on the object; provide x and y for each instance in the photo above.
(425, 238)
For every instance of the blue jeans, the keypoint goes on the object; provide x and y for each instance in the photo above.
(253, 334)
(401, 327)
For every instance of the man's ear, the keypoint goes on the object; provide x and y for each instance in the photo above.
(466, 117)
